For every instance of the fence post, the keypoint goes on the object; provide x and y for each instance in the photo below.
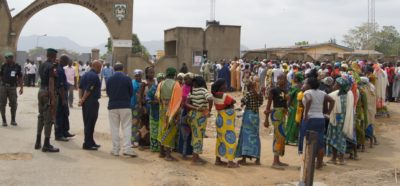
(309, 155)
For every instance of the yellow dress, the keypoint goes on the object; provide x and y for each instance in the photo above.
(226, 135)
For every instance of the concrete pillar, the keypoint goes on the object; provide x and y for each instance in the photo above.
(121, 55)
(95, 54)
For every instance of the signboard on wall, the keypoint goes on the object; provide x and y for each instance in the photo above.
(122, 43)
(197, 58)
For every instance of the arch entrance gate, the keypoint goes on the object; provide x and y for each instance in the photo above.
(117, 15)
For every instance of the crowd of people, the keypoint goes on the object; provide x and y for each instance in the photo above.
(168, 112)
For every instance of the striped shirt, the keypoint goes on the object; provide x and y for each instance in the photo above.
(199, 97)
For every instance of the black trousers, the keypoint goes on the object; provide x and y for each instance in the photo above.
(31, 80)
(62, 120)
(90, 112)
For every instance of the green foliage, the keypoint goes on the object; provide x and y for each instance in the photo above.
(109, 45)
(138, 48)
(301, 43)
(388, 41)
(37, 50)
(361, 37)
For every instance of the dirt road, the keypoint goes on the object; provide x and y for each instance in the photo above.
(20, 164)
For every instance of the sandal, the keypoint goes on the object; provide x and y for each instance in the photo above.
(277, 167)
(334, 162)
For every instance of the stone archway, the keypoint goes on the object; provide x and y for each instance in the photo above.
(117, 15)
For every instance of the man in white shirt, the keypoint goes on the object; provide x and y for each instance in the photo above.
(276, 72)
(31, 70)
(72, 84)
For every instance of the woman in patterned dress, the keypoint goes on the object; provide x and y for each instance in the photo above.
(249, 145)
(200, 103)
(225, 121)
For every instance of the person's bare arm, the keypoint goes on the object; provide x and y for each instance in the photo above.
(307, 106)
(268, 110)
(331, 103)
(21, 84)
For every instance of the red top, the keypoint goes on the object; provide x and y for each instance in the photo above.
(224, 102)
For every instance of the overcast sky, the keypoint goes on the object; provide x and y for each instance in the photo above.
(270, 22)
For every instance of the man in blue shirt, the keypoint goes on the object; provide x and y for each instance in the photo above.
(107, 72)
(119, 91)
(89, 93)
(62, 112)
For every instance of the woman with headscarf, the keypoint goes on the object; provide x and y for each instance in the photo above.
(381, 82)
(396, 83)
(144, 106)
(233, 75)
(224, 73)
(135, 106)
(341, 120)
(225, 121)
(185, 137)
(154, 115)
(371, 100)
(249, 145)
(200, 103)
(169, 95)
(292, 127)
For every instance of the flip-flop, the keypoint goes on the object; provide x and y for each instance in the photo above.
(277, 167)
(283, 164)
(331, 162)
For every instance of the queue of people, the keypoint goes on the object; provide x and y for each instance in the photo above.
(169, 112)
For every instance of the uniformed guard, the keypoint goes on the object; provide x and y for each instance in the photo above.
(10, 77)
(62, 113)
(89, 93)
(47, 101)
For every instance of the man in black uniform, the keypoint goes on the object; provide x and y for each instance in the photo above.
(89, 93)
(10, 77)
(62, 113)
(47, 101)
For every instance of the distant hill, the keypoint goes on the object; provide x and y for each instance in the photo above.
(27, 43)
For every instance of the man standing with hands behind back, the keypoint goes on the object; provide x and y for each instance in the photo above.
(89, 94)
(10, 77)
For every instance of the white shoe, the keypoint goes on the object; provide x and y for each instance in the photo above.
(114, 153)
(130, 154)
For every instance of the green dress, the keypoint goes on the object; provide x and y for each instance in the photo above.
(292, 127)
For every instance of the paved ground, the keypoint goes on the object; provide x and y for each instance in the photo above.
(20, 164)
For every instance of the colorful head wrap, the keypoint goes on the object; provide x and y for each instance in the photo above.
(344, 85)
(356, 68)
(328, 81)
(190, 75)
(365, 80)
(160, 75)
(137, 72)
(299, 76)
(180, 75)
(171, 71)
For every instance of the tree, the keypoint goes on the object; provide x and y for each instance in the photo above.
(137, 47)
(109, 45)
(388, 40)
(301, 43)
(361, 37)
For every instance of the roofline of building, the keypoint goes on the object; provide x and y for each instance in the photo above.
(187, 27)
(299, 47)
